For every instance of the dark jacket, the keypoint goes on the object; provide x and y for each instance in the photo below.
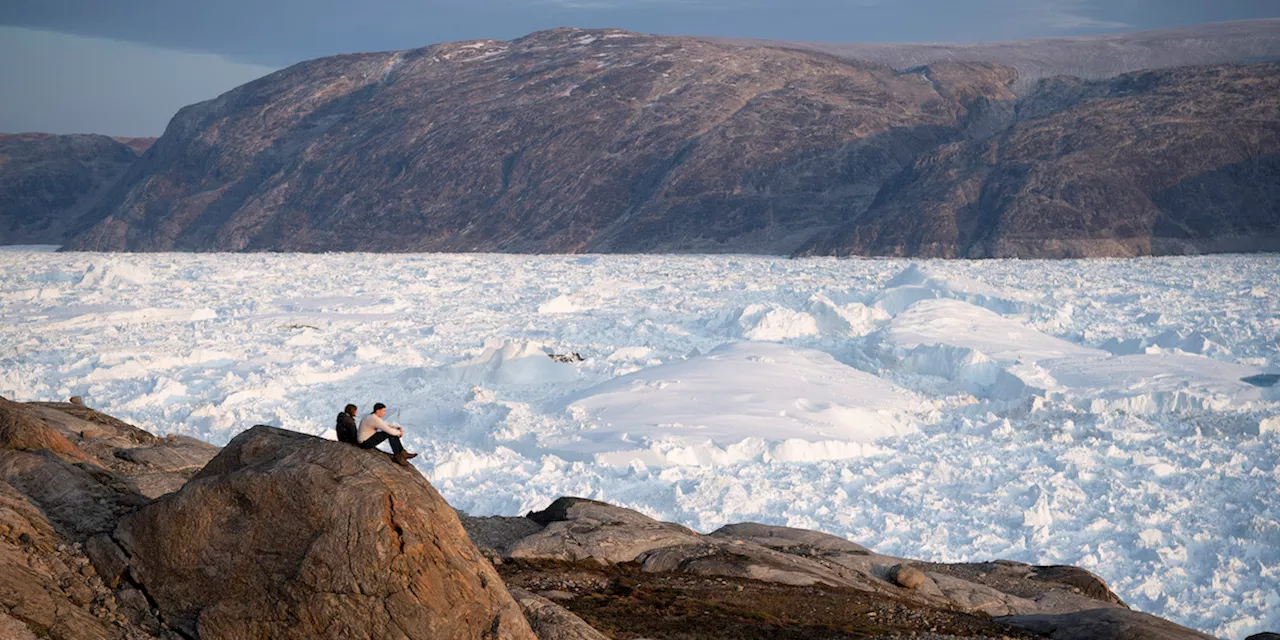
(346, 428)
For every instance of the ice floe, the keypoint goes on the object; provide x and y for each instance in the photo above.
(801, 398)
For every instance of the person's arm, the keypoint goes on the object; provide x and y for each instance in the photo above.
(390, 429)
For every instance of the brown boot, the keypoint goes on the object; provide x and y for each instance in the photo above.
(402, 458)
(411, 455)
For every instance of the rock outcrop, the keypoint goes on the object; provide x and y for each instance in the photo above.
(54, 497)
(47, 586)
(578, 534)
(152, 466)
(48, 182)
(578, 529)
(74, 490)
(284, 535)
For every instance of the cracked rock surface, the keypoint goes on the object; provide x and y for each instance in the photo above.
(52, 494)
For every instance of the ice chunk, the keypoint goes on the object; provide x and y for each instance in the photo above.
(559, 304)
(512, 363)
(113, 273)
(735, 392)
(853, 319)
(960, 324)
(775, 323)
(1269, 425)
(1148, 383)
(972, 370)
(917, 283)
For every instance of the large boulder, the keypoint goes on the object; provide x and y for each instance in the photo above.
(581, 529)
(576, 529)
(284, 535)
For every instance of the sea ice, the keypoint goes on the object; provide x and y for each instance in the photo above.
(1112, 414)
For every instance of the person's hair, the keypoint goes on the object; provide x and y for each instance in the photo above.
(378, 406)
(351, 409)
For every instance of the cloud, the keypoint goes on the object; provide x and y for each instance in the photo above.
(59, 83)
(1066, 15)
(631, 4)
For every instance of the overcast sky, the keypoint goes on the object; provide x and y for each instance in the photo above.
(123, 67)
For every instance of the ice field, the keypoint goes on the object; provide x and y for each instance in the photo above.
(1094, 413)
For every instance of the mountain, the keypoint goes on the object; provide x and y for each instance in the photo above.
(563, 141)
(609, 141)
(48, 181)
(1159, 162)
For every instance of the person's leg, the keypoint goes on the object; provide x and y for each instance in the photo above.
(396, 447)
(376, 439)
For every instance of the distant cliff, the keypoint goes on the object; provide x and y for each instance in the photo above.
(1159, 162)
(48, 182)
(608, 141)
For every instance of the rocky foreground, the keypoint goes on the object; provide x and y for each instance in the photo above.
(107, 531)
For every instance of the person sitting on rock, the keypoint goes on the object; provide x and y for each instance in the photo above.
(346, 427)
(374, 430)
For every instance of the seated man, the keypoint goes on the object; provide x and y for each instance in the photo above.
(346, 426)
(374, 430)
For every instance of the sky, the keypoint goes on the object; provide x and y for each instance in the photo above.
(125, 67)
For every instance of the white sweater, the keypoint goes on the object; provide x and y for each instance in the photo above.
(372, 423)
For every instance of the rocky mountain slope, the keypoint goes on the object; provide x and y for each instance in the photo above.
(285, 535)
(1160, 162)
(607, 141)
(48, 182)
(563, 141)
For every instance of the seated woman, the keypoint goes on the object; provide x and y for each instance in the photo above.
(346, 426)
(374, 430)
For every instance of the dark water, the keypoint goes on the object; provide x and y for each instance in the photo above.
(1262, 379)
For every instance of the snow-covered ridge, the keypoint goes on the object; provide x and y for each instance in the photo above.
(1090, 413)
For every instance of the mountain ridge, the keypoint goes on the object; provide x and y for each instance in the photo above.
(48, 182)
(572, 141)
